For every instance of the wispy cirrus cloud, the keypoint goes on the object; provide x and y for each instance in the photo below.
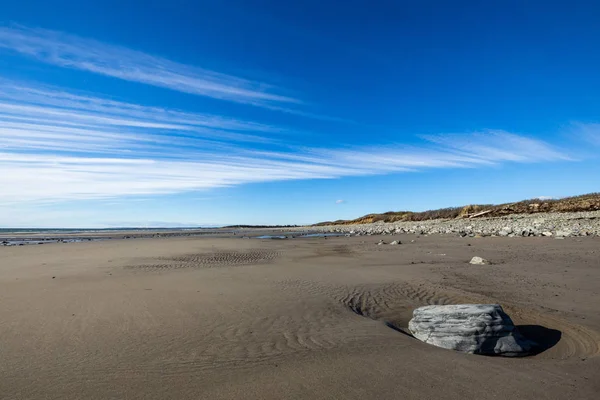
(57, 146)
(499, 145)
(47, 118)
(74, 52)
(17, 95)
(43, 177)
(588, 132)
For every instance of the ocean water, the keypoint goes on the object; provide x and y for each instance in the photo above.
(22, 242)
(20, 237)
(28, 236)
(7, 231)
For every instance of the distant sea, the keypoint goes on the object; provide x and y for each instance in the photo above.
(26, 236)
(90, 230)
(23, 236)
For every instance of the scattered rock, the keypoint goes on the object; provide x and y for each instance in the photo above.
(395, 242)
(585, 223)
(507, 230)
(470, 328)
(564, 233)
(526, 232)
(479, 261)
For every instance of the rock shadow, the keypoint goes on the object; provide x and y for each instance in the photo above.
(398, 326)
(544, 338)
(398, 329)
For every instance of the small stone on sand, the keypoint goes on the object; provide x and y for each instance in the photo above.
(478, 261)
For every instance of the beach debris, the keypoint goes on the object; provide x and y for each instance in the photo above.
(479, 261)
(479, 214)
(395, 242)
(563, 233)
(470, 328)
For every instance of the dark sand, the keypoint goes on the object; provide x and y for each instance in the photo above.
(207, 318)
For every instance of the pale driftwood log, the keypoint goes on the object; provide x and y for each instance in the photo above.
(479, 214)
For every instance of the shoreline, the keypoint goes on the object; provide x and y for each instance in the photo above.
(557, 225)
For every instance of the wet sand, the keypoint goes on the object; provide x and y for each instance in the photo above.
(228, 318)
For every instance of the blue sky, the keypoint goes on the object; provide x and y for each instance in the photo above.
(166, 113)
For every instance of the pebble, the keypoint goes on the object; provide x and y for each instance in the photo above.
(478, 261)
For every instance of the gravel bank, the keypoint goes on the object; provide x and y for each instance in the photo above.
(539, 224)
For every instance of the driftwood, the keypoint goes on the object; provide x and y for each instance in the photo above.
(479, 214)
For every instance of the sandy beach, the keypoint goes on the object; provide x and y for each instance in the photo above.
(231, 318)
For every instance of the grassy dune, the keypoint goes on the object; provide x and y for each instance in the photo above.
(586, 202)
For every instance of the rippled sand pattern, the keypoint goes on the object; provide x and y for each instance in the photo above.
(311, 318)
(209, 260)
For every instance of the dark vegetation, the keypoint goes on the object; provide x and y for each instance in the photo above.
(586, 202)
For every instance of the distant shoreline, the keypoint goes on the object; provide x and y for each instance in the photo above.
(43, 236)
(18, 237)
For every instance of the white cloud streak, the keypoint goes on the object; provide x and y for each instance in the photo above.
(498, 145)
(18, 96)
(49, 119)
(588, 132)
(74, 52)
(58, 146)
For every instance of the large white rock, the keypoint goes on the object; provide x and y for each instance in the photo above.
(470, 328)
